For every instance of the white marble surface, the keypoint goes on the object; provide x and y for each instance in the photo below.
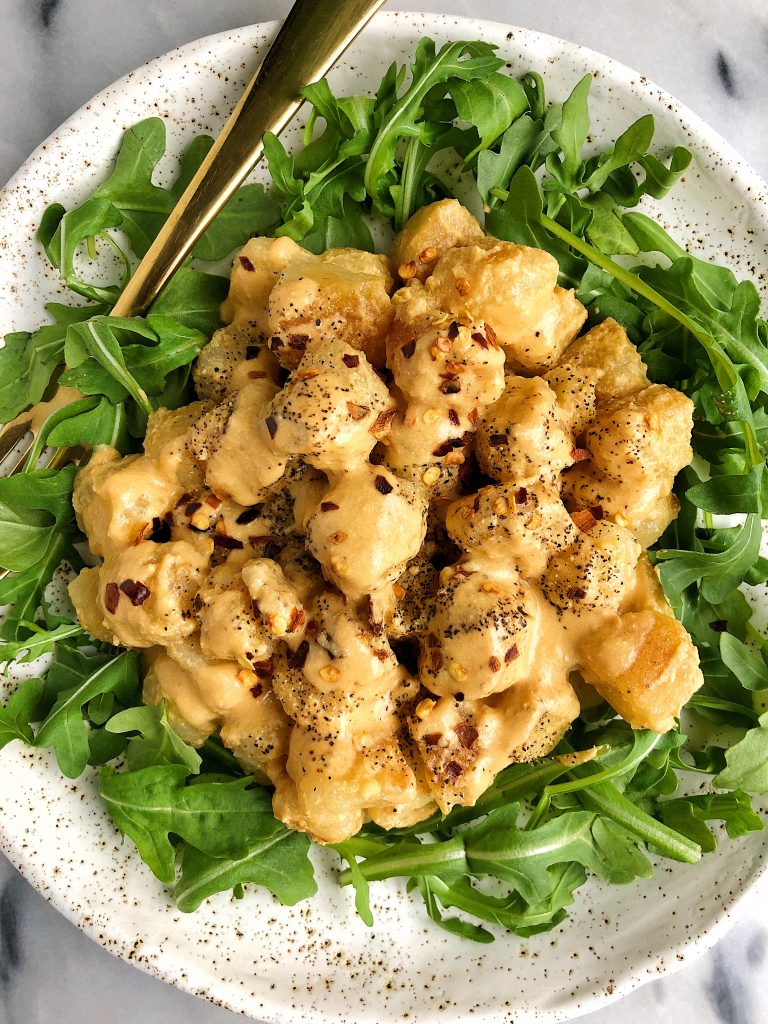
(54, 55)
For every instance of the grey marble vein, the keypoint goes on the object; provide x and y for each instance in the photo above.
(54, 55)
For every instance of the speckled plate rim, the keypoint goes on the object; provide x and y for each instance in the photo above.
(666, 960)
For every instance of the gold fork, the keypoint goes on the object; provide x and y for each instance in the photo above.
(310, 41)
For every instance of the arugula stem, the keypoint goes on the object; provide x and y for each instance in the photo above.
(627, 765)
(606, 799)
(412, 859)
(630, 279)
(541, 808)
(701, 700)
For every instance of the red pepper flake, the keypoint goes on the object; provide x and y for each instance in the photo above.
(453, 416)
(380, 654)
(256, 690)
(297, 658)
(521, 496)
(296, 620)
(719, 626)
(478, 339)
(383, 486)
(383, 424)
(432, 738)
(263, 669)
(221, 540)
(275, 342)
(111, 597)
(328, 506)
(436, 661)
(246, 264)
(490, 334)
(213, 500)
(453, 770)
(583, 519)
(136, 591)
(351, 361)
(184, 498)
(494, 664)
(192, 507)
(298, 341)
(252, 351)
(511, 654)
(467, 734)
(408, 348)
(498, 440)
(575, 594)
(453, 330)
(357, 412)
(597, 512)
(447, 446)
(256, 374)
(260, 538)
(271, 423)
(249, 515)
(581, 454)
(161, 529)
(451, 386)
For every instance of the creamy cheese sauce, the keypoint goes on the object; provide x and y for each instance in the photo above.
(400, 537)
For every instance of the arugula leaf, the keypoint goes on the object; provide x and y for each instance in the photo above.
(193, 299)
(498, 847)
(85, 222)
(25, 589)
(129, 199)
(571, 135)
(21, 710)
(399, 119)
(747, 762)
(102, 423)
(98, 338)
(274, 856)
(359, 881)
(40, 641)
(489, 104)
(223, 821)
(164, 345)
(688, 815)
(65, 728)
(23, 535)
(495, 170)
(718, 573)
(27, 361)
(750, 669)
(156, 743)
(631, 146)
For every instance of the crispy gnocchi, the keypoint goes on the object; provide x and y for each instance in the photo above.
(401, 534)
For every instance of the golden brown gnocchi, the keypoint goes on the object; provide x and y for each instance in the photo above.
(400, 536)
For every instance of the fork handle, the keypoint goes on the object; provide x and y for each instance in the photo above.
(312, 38)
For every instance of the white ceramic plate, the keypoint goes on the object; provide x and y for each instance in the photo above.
(317, 962)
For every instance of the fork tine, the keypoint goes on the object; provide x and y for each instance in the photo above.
(12, 435)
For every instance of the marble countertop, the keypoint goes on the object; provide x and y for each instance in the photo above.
(54, 55)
